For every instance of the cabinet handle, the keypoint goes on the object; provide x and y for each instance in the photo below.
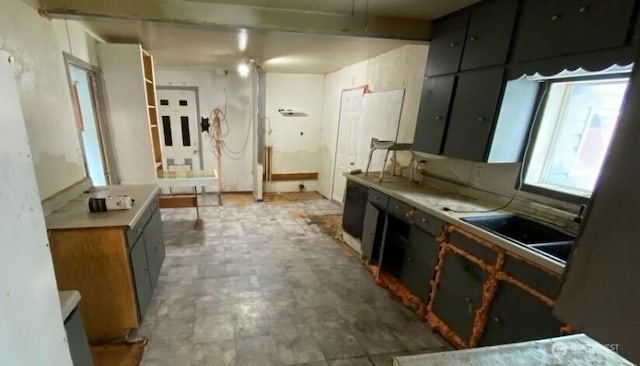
(424, 221)
(583, 9)
(438, 118)
(481, 119)
(473, 38)
(397, 207)
(497, 320)
(453, 44)
(556, 17)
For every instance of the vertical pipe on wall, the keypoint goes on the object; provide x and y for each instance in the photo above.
(258, 132)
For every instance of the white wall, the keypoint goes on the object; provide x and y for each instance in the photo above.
(74, 38)
(295, 139)
(214, 88)
(402, 68)
(44, 95)
(31, 325)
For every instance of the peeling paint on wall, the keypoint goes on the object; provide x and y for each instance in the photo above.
(44, 96)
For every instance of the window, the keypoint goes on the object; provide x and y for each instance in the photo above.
(574, 131)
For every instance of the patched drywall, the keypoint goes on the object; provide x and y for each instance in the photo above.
(225, 91)
(294, 139)
(402, 68)
(44, 96)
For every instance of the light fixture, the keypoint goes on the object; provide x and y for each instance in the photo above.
(244, 69)
(243, 38)
(246, 66)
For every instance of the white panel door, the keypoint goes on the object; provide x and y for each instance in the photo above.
(349, 124)
(179, 132)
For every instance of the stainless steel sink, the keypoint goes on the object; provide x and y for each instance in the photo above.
(534, 234)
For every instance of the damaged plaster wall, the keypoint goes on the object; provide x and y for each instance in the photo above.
(216, 89)
(295, 139)
(44, 96)
(401, 68)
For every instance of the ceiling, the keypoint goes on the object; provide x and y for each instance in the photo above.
(181, 46)
(413, 9)
(185, 47)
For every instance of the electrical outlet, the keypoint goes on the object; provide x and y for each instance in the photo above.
(476, 174)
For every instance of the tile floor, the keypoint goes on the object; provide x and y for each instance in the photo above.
(259, 286)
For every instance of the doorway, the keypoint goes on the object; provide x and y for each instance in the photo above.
(179, 132)
(87, 101)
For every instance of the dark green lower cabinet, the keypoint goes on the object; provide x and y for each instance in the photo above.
(154, 245)
(419, 262)
(517, 316)
(459, 293)
(141, 279)
(372, 233)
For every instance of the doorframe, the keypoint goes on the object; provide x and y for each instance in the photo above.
(198, 116)
(100, 115)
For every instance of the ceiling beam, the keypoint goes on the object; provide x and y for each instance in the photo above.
(237, 16)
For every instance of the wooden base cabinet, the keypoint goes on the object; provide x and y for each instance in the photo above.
(115, 270)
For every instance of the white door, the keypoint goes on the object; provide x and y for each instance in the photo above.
(350, 120)
(179, 132)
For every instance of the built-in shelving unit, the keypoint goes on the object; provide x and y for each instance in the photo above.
(130, 87)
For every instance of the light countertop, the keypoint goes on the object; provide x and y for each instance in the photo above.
(75, 214)
(432, 201)
(567, 351)
(68, 301)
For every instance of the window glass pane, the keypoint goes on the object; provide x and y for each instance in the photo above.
(166, 129)
(578, 122)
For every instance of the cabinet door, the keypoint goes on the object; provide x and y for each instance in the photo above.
(516, 316)
(473, 114)
(489, 35)
(539, 30)
(419, 262)
(459, 293)
(447, 42)
(354, 206)
(371, 233)
(154, 243)
(433, 114)
(139, 267)
(596, 24)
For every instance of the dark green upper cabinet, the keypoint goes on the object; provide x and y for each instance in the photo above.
(473, 114)
(490, 29)
(549, 28)
(447, 43)
(433, 114)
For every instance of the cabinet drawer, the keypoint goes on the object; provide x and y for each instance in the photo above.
(400, 210)
(428, 223)
(474, 248)
(136, 230)
(535, 277)
(378, 199)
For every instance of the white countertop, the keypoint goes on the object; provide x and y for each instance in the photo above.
(75, 214)
(432, 201)
(571, 350)
(68, 301)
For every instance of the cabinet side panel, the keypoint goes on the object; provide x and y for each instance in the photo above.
(95, 262)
